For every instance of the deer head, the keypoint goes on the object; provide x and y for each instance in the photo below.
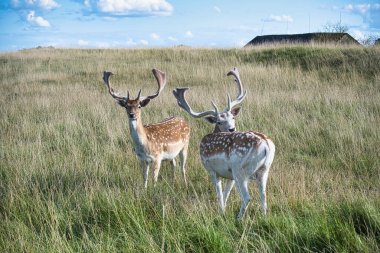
(133, 106)
(224, 120)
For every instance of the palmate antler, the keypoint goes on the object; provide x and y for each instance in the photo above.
(179, 94)
(106, 76)
(241, 94)
(161, 81)
(158, 74)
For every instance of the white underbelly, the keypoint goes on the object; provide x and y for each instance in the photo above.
(219, 165)
(169, 156)
(171, 150)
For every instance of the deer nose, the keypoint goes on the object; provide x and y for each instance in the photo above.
(232, 130)
(131, 115)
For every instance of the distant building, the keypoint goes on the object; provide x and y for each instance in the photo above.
(305, 38)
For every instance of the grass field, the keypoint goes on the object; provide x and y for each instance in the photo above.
(70, 182)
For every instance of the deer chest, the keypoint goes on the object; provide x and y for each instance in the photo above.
(142, 153)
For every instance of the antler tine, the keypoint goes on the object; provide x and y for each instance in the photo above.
(241, 94)
(106, 76)
(139, 94)
(229, 107)
(179, 94)
(215, 107)
(161, 81)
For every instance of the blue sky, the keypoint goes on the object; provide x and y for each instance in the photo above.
(165, 23)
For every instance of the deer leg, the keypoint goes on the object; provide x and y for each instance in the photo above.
(174, 165)
(156, 170)
(183, 159)
(227, 190)
(218, 187)
(262, 183)
(242, 186)
(145, 171)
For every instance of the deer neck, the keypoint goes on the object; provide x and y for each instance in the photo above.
(216, 129)
(138, 133)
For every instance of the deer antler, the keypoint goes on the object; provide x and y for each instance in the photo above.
(241, 94)
(179, 94)
(161, 81)
(106, 76)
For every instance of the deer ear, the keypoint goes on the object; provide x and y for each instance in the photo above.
(145, 102)
(210, 119)
(122, 102)
(235, 111)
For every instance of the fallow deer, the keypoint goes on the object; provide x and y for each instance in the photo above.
(155, 142)
(236, 156)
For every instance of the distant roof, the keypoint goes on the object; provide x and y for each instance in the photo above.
(339, 38)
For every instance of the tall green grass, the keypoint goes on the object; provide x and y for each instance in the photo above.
(70, 182)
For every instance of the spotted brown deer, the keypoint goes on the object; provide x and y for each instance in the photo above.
(155, 142)
(236, 156)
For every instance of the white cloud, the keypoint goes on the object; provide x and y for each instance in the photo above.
(217, 9)
(361, 9)
(37, 20)
(144, 42)
(134, 7)
(83, 43)
(279, 18)
(348, 7)
(48, 4)
(28, 8)
(369, 12)
(357, 34)
(87, 3)
(131, 42)
(189, 34)
(172, 38)
(42, 4)
(103, 45)
(155, 36)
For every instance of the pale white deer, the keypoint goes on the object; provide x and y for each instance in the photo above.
(155, 142)
(236, 156)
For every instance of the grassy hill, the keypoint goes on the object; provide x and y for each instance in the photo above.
(70, 182)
